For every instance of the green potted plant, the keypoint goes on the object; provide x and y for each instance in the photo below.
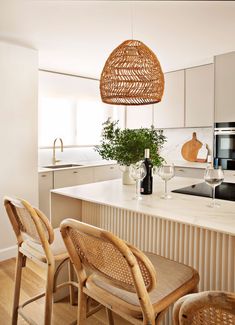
(126, 146)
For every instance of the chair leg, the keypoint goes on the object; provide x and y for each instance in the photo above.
(159, 318)
(109, 315)
(49, 294)
(71, 288)
(195, 289)
(18, 273)
(175, 312)
(24, 261)
(82, 307)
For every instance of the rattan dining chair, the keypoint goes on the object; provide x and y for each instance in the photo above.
(205, 308)
(37, 241)
(138, 286)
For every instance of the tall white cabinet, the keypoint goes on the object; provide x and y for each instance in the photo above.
(18, 132)
(224, 87)
(199, 96)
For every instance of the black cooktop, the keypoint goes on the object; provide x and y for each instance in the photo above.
(225, 191)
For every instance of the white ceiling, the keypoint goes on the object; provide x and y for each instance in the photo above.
(77, 36)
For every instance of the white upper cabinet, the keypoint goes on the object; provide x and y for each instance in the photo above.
(169, 113)
(139, 116)
(199, 96)
(224, 87)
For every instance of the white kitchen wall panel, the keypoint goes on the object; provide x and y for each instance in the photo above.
(139, 116)
(18, 132)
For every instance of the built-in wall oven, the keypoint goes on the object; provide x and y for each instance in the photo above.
(224, 145)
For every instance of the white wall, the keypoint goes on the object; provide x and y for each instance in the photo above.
(18, 132)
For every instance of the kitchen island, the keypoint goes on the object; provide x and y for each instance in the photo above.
(183, 228)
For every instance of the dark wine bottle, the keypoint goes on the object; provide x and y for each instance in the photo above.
(146, 186)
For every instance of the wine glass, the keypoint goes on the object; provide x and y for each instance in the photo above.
(138, 172)
(166, 172)
(213, 177)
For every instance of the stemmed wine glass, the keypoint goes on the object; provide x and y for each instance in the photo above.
(213, 177)
(138, 172)
(166, 172)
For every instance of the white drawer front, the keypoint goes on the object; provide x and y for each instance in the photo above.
(104, 173)
(72, 177)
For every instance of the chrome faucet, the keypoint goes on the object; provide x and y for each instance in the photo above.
(54, 161)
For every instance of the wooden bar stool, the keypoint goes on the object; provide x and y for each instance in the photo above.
(38, 241)
(138, 286)
(205, 308)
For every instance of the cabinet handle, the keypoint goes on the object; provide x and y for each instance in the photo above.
(181, 170)
(75, 172)
(43, 175)
(112, 167)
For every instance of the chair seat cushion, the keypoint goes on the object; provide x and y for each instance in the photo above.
(173, 280)
(34, 249)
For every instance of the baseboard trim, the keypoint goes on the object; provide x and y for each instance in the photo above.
(8, 252)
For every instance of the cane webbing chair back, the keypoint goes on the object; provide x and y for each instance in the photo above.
(28, 222)
(206, 308)
(119, 276)
(35, 235)
(107, 255)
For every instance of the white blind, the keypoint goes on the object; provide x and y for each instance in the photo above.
(71, 108)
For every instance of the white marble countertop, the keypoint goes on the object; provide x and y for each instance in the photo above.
(186, 209)
(82, 164)
(189, 164)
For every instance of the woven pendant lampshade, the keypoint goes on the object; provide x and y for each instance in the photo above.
(132, 75)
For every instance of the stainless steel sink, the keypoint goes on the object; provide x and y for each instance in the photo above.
(62, 166)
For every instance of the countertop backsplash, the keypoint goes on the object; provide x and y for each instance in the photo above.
(177, 137)
(171, 151)
(69, 155)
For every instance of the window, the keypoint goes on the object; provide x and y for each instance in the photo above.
(71, 108)
(56, 119)
(90, 116)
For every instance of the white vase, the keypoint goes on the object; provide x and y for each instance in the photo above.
(126, 178)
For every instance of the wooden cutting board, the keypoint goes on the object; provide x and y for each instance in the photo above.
(190, 149)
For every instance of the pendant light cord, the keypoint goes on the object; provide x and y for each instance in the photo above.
(132, 18)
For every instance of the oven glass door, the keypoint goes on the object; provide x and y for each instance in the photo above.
(225, 146)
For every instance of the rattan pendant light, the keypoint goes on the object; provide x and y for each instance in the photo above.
(132, 75)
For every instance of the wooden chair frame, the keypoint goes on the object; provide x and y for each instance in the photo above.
(130, 254)
(38, 219)
(188, 306)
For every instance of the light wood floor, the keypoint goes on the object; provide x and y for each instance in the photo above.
(33, 282)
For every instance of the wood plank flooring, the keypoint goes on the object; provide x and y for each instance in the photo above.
(33, 282)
